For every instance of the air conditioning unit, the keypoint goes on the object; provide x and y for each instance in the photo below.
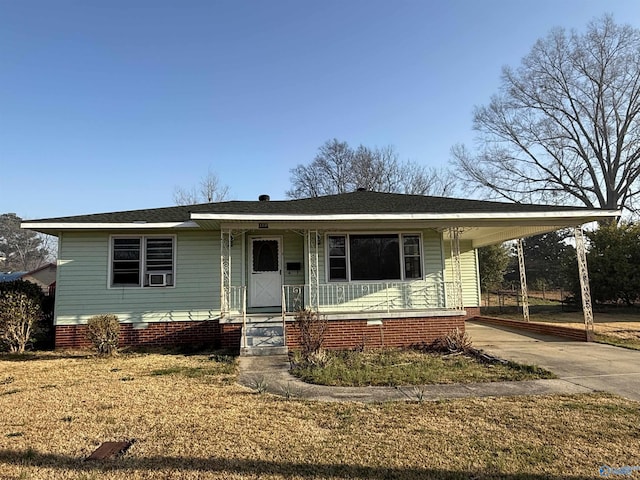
(157, 279)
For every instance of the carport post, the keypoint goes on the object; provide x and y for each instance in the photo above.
(583, 271)
(523, 282)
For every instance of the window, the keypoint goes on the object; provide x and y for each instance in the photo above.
(337, 258)
(362, 257)
(126, 262)
(142, 261)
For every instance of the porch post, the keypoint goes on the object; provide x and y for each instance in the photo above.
(583, 271)
(454, 233)
(523, 282)
(312, 247)
(225, 270)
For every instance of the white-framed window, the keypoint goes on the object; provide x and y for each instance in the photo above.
(373, 256)
(142, 261)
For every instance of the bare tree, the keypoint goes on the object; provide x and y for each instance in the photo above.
(338, 168)
(22, 250)
(565, 126)
(208, 190)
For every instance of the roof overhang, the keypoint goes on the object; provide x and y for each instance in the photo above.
(53, 228)
(480, 228)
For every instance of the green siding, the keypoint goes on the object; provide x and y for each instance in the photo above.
(83, 273)
(293, 250)
(469, 267)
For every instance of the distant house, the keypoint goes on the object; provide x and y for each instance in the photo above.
(384, 269)
(44, 277)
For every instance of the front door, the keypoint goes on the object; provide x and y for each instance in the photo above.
(266, 277)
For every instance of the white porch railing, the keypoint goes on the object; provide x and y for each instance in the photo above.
(237, 305)
(237, 298)
(381, 297)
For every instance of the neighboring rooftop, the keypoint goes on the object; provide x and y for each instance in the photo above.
(11, 276)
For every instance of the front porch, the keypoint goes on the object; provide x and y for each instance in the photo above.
(359, 314)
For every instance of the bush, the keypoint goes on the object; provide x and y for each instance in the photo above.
(30, 289)
(43, 335)
(454, 341)
(312, 329)
(102, 332)
(19, 316)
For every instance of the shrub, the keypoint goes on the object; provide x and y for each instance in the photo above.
(102, 332)
(312, 329)
(19, 315)
(30, 289)
(43, 335)
(454, 341)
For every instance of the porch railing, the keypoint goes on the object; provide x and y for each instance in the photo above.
(236, 301)
(383, 297)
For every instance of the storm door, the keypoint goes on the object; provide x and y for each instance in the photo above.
(266, 272)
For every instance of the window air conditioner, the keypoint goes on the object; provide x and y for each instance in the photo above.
(157, 279)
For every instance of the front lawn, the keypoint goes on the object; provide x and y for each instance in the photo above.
(393, 367)
(189, 420)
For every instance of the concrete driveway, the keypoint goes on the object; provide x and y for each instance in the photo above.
(592, 365)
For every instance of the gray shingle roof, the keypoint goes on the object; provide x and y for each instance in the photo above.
(360, 202)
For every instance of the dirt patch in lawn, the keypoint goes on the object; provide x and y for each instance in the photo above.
(204, 426)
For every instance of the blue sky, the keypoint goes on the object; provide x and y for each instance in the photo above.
(109, 105)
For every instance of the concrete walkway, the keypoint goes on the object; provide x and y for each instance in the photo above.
(582, 367)
(272, 374)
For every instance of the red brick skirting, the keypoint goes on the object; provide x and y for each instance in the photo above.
(536, 327)
(394, 332)
(209, 332)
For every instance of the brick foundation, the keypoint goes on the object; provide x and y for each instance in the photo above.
(158, 334)
(536, 327)
(394, 332)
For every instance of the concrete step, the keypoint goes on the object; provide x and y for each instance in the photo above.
(264, 330)
(262, 351)
(259, 341)
(264, 337)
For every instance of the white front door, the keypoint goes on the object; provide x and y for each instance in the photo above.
(266, 272)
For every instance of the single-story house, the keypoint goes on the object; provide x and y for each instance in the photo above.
(382, 268)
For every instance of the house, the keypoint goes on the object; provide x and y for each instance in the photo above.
(384, 269)
(44, 277)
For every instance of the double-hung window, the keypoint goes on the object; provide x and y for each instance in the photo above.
(380, 256)
(143, 261)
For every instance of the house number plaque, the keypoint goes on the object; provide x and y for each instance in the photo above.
(263, 225)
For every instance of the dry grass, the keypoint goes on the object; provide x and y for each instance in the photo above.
(56, 409)
(618, 328)
(394, 367)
